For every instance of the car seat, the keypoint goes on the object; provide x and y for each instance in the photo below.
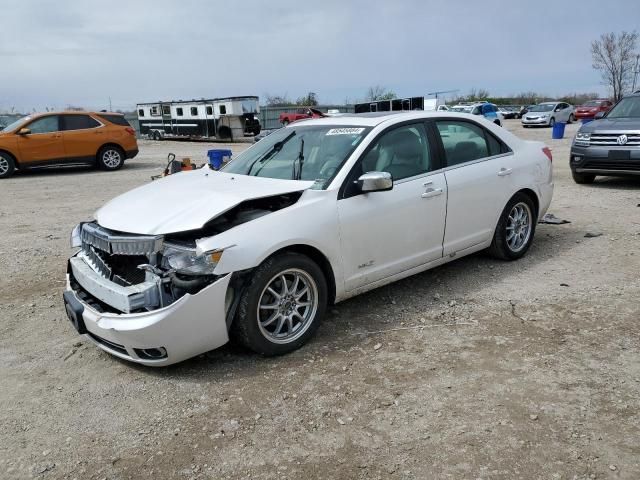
(402, 154)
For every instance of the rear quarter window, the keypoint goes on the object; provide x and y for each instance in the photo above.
(116, 120)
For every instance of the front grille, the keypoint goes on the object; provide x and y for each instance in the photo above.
(612, 165)
(633, 139)
(110, 345)
(119, 243)
(116, 256)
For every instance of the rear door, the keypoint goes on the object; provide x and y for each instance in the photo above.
(44, 143)
(478, 174)
(83, 135)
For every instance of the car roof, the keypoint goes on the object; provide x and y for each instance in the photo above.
(74, 112)
(373, 119)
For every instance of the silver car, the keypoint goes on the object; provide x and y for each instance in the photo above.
(548, 113)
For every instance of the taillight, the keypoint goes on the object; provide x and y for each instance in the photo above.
(130, 131)
(547, 152)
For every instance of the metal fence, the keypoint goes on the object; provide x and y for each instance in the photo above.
(269, 116)
(8, 119)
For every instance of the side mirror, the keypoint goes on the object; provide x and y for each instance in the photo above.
(599, 115)
(375, 182)
(24, 131)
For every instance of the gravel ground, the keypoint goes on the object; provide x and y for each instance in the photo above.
(479, 369)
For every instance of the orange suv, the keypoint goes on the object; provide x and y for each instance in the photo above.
(103, 139)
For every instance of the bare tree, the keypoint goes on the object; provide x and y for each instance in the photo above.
(614, 55)
(378, 92)
(309, 100)
(277, 100)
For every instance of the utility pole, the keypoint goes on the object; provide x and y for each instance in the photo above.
(110, 108)
(635, 74)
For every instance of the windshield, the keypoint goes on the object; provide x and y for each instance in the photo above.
(303, 153)
(592, 103)
(461, 109)
(543, 107)
(628, 107)
(16, 124)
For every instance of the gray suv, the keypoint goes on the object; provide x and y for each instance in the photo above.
(610, 145)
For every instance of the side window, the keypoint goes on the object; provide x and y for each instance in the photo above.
(44, 125)
(223, 109)
(194, 111)
(155, 111)
(462, 141)
(403, 152)
(179, 111)
(209, 110)
(78, 122)
(166, 110)
(140, 112)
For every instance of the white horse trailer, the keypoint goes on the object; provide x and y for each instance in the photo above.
(217, 118)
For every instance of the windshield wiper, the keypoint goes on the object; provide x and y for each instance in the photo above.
(296, 173)
(269, 154)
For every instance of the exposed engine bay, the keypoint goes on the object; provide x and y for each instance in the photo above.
(129, 273)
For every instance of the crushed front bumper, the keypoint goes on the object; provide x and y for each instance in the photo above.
(191, 325)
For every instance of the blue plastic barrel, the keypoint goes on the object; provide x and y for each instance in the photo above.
(558, 131)
(216, 157)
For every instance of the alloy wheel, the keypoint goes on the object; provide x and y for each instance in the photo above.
(4, 165)
(519, 226)
(111, 158)
(287, 306)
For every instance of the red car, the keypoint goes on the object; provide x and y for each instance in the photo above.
(592, 107)
(306, 112)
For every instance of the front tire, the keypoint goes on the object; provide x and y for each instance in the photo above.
(282, 306)
(552, 122)
(110, 158)
(514, 233)
(572, 118)
(583, 178)
(7, 165)
(285, 122)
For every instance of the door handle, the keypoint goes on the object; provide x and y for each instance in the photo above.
(432, 192)
(505, 171)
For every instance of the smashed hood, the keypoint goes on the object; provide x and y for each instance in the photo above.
(187, 200)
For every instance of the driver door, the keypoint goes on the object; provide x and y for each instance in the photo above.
(386, 233)
(44, 143)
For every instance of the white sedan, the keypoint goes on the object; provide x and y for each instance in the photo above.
(311, 215)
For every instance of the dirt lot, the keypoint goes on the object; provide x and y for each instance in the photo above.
(476, 370)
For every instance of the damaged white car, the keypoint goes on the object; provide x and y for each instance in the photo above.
(313, 214)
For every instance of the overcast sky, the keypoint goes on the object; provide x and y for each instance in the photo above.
(68, 52)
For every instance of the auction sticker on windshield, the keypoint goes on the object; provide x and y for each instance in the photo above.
(345, 131)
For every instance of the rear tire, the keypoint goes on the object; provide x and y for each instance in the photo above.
(515, 230)
(572, 118)
(274, 317)
(552, 122)
(7, 165)
(110, 158)
(583, 178)
(285, 122)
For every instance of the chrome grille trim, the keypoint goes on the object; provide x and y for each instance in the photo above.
(94, 235)
(611, 138)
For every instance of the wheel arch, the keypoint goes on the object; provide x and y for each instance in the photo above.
(13, 156)
(320, 259)
(533, 196)
(109, 144)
